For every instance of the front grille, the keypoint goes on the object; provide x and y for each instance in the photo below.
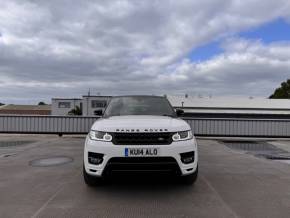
(160, 138)
(142, 165)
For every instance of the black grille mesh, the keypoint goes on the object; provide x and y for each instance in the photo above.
(160, 138)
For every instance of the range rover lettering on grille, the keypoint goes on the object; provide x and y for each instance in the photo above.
(145, 130)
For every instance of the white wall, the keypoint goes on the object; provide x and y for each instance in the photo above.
(88, 110)
(56, 110)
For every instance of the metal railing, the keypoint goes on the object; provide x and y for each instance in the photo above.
(200, 126)
(240, 127)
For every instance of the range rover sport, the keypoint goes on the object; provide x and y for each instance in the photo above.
(140, 134)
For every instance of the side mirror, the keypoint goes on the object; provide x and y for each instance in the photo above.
(179, 112)
(98, 112)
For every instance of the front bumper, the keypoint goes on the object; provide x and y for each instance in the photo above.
(111, 151)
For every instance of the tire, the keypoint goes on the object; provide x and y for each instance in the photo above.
(92, 180)
(189, 179)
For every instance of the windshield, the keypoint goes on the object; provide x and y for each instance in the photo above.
(139, 105)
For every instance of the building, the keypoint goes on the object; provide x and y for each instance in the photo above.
(237, 107)
(62, 106)
(194, 106)
(93, 103)
(88, 104)
(12, 109)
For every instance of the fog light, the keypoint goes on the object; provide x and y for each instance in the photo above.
(95, 158)
(187, 157)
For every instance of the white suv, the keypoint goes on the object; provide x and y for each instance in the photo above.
(140, 134)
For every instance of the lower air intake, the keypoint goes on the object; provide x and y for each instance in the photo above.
(142, 165)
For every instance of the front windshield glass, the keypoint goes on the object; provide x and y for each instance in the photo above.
(139, 105)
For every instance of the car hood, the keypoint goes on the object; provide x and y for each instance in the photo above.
(138, 123)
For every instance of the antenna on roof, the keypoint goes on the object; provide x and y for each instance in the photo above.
(89, 92)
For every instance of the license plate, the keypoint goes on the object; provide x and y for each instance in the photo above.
(141, 152)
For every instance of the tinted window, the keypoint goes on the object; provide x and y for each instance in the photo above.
(99, 103)
(139, 105)
(64, 104)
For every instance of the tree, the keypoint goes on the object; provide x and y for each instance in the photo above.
(282, 92)
(42, 103)
(1, 104)
(76, 111)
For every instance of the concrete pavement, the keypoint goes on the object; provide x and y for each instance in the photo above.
(231, 184)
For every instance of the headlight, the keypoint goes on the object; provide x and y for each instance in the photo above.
(100, 136)
(181, 136)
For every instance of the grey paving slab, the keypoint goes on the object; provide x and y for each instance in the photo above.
(231, 184)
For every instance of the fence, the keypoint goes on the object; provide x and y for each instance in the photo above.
(200, 126)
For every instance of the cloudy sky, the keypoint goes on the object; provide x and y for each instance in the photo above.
(61, 48)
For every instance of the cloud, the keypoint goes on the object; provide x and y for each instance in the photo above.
(53, 48)
(246, 67)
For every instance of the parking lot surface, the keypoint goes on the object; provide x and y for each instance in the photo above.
(41, 176)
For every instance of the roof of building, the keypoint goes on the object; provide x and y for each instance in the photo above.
(226, 103)
(25, 107)
(99, 96)
(76, 99)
